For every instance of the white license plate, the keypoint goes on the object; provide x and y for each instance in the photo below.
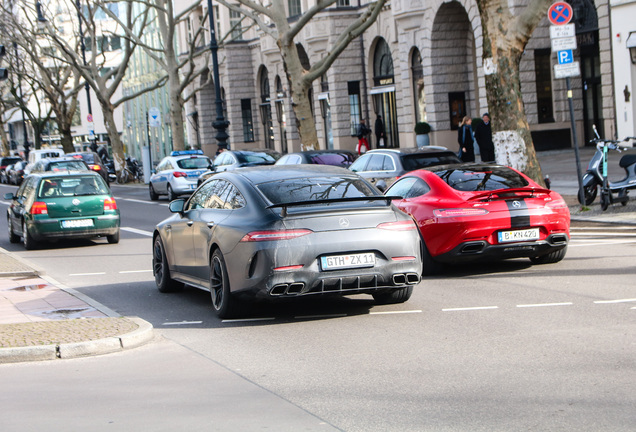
(518, 235)
(336, 262)
(77, 223)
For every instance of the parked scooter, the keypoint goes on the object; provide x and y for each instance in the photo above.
(596, 174)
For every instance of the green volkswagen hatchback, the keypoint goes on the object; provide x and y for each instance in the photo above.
(54, 205)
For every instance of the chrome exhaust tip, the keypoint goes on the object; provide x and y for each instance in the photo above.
(295, 288)
(399, 279)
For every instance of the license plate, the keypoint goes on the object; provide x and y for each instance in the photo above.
(77, 223)
(518, 235)
(335, 262)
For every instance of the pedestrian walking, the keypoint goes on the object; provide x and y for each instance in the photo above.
(379, 131)
(483, 136)
(362, 132)
(466, 140)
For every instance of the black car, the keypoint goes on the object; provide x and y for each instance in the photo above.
(341, 158)
(15, 173)
(283, 232)
(383, 166)
(94, 162)
(58, 164)
(4, 163)
(233, 159)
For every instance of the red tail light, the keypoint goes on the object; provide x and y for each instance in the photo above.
(39, 207)
(179, 174)
(95, 167)
(459, 212)
(405, 225)
(110, 204)
(275, 235)
(556, 204)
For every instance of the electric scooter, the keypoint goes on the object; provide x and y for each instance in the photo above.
(596, 174)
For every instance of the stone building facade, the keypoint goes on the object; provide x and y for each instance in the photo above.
(421, 61)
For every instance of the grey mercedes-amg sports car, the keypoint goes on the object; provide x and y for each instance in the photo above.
(287, 231)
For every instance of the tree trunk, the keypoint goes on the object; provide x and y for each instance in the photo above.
(119, 158)
(176, 109)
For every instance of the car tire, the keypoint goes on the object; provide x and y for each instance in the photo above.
(224, 304)
(398, 295)
(161, 270)
(153, 194)
(27, 239)
(430, 267)
(550, 258)
(13, 237)
(113, 238)
(171, 195)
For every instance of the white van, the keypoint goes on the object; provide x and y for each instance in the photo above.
(36, 155)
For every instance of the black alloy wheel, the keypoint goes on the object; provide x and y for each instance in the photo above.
(27, 239)
(13, 237)
(223, 303)
(171, 195)
(160, 269)
(153, 194)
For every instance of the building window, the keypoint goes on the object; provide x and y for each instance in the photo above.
(294, 7)
(343, 3)
(543, 72)
(354, 105)
(248, 126)
(236, 25)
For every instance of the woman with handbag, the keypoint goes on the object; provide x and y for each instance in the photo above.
(466, 140)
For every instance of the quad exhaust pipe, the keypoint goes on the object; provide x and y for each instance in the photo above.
(406, 279)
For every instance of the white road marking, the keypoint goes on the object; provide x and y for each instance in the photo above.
(134, 271)
(136, 231)
(135, 200)
(320, 316)
(182, 323)
(605, 234)
(602, 243)
(395, 312)
(247, 320)
(615, 301)
(470, 308)
(87, 274)
(544, 304)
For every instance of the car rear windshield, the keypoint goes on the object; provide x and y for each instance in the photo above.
(193, 163)
(417, 161)
(315, 188)
(67, 165)
(87, 157)
(472, 179)
(336, 159)
(9, 160)
(256, 158)
(64, 186)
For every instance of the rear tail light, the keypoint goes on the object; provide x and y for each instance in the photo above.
(95, 167)
(405, 225)
(110, 204)
(39, 207)
(179, 174)
(403, 258)
(459, 212)
(287, 268)
(556, 204)
(274, 235)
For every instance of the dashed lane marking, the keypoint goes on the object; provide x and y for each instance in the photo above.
(135, 271)
(615, 301)
(320, 316)
(136, 200)
(136, 231)
(544, 305)
(247, 320)
(470, 308)
(395, 312)
(88, 274)
(182, 323)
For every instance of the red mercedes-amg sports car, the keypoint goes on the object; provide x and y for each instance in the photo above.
(469, 212)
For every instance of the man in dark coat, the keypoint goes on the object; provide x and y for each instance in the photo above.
(483, 135)
(379, 131)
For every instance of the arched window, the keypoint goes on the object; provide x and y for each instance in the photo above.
(382, 64)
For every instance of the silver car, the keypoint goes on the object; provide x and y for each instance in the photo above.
(177, 174)
(280, 232)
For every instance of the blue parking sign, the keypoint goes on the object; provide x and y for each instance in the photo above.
(565, 57)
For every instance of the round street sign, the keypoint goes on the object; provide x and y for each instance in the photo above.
(89, 118)
(560, 13)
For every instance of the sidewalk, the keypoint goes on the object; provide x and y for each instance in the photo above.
(42, 320)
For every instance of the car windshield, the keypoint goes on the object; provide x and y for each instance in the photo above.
(66, 186)
(67, 165)
(260, 158)
(412, 162)
(194, 163)
(315, 188)
(474, 179)
(336, 159)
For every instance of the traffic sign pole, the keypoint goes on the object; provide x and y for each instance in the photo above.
(576, 144)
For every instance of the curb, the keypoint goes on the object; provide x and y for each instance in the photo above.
(134, 339)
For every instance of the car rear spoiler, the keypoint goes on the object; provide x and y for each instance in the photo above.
(501, 193)
(284, 206)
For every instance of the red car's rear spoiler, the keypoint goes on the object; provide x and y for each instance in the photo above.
(509, 193)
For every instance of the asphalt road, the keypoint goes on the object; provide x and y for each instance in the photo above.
(497, 347)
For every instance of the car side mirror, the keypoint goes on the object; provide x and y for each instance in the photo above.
(381, 185)
(9, 196)
(177, 205)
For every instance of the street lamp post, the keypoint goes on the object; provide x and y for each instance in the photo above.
(220, 124)
(91, 136)
(25, 144)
